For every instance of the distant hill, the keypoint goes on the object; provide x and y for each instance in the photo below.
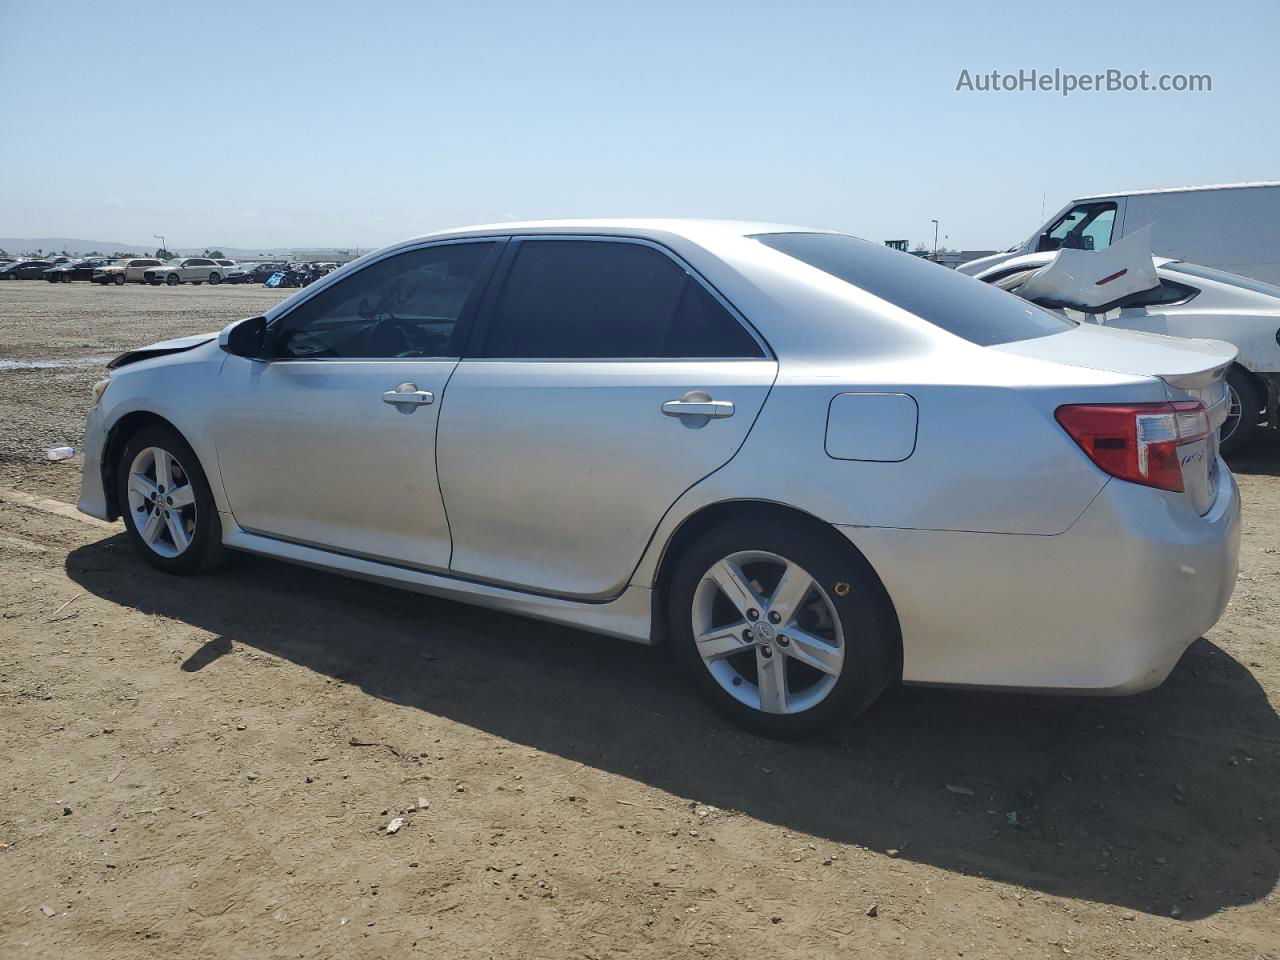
(74, 245)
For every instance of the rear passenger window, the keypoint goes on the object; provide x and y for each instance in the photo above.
(578, 299)
(1168, 292)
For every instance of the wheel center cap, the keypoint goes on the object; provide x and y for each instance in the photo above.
(764, 632)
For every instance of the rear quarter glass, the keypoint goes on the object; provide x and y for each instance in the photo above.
(956, 303)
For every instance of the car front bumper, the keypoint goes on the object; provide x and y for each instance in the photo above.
(93, 497)
(1108, 607)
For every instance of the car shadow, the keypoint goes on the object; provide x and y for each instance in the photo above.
(1152, 802)
(1262, 458)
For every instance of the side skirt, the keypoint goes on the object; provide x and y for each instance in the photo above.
(627, 617)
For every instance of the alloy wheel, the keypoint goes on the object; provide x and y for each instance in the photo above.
(767, 632)
(162, 502)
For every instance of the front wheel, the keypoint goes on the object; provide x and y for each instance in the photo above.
(785, 631)
(119, 280)
(172, 280)
(167, 506)
(1244, 412)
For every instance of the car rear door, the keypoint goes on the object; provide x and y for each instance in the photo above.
(330, 440)
(604, 380)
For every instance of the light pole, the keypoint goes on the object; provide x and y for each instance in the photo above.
(165, 247)
(935, 240)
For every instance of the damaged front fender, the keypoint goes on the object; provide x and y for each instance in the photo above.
(161, 349)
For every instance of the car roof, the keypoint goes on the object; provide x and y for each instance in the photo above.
(1206, 186)
(645, 228)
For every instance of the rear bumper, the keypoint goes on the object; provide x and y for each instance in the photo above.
(1108, 607)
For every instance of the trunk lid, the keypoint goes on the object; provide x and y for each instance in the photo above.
(1190, 370)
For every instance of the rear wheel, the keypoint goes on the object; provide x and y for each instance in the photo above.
(784, 631)
(214, 278)
(167, 506)
(1243, 414)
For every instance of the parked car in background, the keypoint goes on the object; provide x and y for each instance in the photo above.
(811, 464)
(75, 270)
(1230, 227)
(228, 264)
(258, 273)
(25, 269)
(128, 270)
(194, 270)
(1197, 302)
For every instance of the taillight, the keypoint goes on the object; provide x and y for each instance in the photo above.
(1137, 442)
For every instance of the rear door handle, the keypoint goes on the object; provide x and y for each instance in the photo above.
(712, 409)
(408, 394)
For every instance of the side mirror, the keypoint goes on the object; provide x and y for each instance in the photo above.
(244, 338)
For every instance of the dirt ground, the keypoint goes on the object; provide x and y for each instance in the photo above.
(207, 767)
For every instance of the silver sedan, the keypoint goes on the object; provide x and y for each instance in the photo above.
(811, 465)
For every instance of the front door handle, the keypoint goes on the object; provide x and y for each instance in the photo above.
(711, 409)
(408, 394)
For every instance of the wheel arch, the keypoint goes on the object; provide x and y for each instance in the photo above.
(723, 512)
(1267, 385)
(119, 434)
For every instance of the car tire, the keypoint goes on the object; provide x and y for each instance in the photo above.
(214, 279)
(172, 280)
(119, 280)
(843, 613)
(1241, 428)
(180, 538)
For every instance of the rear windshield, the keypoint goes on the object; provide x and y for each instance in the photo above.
(958, 304)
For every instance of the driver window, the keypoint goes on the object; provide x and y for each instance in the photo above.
(403, 306)
(1084, 227)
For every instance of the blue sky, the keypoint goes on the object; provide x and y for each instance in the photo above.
(242, 124)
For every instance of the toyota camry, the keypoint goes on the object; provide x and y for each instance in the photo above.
(811, 465)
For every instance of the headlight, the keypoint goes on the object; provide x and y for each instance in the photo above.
(99, 389)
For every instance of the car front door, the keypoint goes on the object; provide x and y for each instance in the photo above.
(330, 439)
(605, 380)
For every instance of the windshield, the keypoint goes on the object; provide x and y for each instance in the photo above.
(958, 304)
(1221, 276)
